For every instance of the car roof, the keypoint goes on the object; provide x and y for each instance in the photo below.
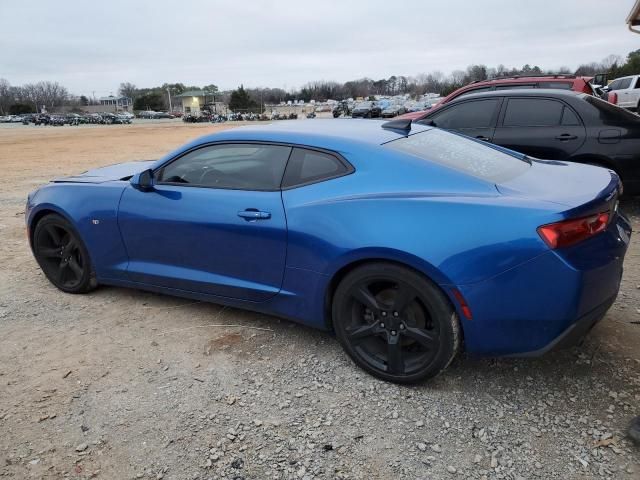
(528, 79)
(323, 133)
(519, 92)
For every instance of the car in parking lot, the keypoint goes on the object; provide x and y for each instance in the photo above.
(624, 92)
(550, 124)
(366, 110)
(393, 110)
(560, 82)
(407, 241)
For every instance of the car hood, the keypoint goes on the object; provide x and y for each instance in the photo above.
(119, 171)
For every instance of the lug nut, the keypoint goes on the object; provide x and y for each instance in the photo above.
(395, 314)
(382, 325)
(384, 314)
(393, 332)
(401, 326)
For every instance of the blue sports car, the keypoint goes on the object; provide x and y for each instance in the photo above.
(409, 242)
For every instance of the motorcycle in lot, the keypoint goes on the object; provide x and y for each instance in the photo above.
(341, 109)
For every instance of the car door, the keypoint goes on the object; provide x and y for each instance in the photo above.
(475, 118)
(540, 127)
(213, 222)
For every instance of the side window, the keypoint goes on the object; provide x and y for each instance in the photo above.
(569, 118)
(556, 85)
(637, 82)
(514, 87)
(473, 90)
(625, 83)
(532, 112)
(472, 114)
(620, 84)
(233, 166)
(310, 166)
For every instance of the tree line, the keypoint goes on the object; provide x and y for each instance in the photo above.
(29, 97)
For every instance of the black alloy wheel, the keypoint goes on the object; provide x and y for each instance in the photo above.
(62, 256)
(395, 323)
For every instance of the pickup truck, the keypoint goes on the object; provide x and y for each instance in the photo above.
(625, 92)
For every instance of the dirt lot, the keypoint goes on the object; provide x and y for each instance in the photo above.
(123, 384)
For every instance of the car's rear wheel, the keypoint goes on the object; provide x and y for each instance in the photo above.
(395, 323)
(62, 255)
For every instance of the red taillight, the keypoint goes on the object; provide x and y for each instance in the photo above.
(570, 232)
(612, 97)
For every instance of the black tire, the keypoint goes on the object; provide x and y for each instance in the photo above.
(62, 255)
(395, 323)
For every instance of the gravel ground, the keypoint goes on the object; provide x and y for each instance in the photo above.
(122, 384)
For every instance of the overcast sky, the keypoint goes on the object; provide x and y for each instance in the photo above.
(92, 46)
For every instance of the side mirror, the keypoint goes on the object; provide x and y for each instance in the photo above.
(143, 181)
(428, 123)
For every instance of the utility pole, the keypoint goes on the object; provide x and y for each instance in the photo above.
(169, 94)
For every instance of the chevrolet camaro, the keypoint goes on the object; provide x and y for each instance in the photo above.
(409, 242)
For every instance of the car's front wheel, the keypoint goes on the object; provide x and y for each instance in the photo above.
(395, 323)
(62, 255)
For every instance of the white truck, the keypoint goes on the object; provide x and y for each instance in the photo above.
(625, 92)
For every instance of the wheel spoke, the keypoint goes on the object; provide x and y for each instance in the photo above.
(75, 268)
(358, 334)
(60, 271)
(395, 362)
(404, 296)
(53, 234)
(71, 245)
(423, 337)
(364, 296)
(50, 252)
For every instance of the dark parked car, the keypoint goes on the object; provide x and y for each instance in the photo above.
(393, 111)
(550, 124)
(366, 110)
(561, 82)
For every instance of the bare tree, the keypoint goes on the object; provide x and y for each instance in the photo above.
(611, 60)
(128, 89)
(6, 96)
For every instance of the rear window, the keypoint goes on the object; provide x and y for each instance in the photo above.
(462, 154)
(610, 113)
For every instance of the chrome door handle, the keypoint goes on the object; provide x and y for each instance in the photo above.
(251, 214)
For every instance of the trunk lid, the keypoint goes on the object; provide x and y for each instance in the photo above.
(119, 171)
(583, 189)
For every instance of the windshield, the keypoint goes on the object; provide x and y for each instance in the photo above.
(364, 105)
(462, 154)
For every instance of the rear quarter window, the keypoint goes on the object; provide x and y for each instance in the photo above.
(312, 166)
(462, 154)
(609, 113)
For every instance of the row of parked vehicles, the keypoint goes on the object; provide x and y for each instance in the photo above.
(238, 117)
(60, 119)
(383, 108)
(152, 115)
